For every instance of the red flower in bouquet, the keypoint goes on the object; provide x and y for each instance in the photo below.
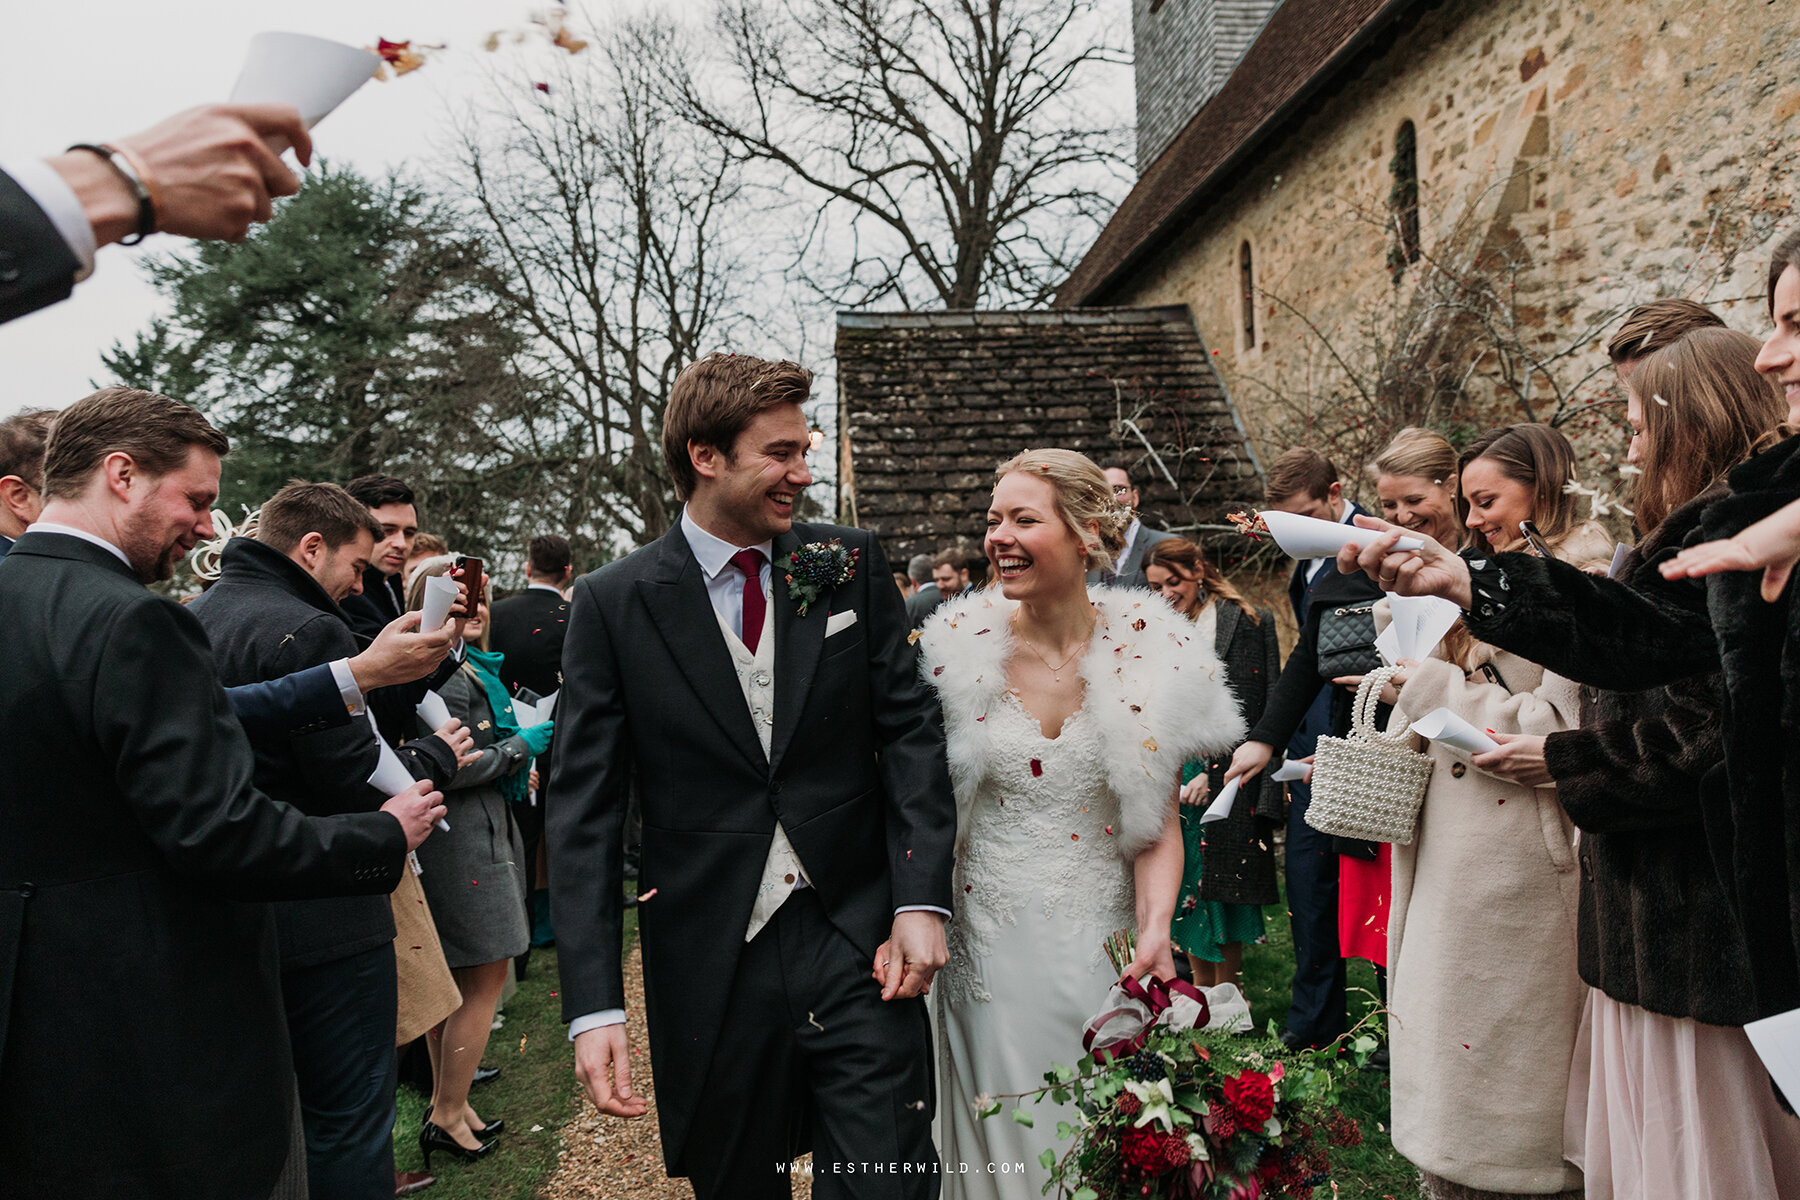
(1252, 1098)
(1154, 1151)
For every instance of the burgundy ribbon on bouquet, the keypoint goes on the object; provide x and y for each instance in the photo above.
(1157, 997)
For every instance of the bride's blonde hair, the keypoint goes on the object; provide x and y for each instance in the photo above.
(1082, 496)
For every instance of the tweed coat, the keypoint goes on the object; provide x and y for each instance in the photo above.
(475, 873)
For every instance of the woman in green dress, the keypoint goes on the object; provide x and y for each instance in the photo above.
(1230, 866)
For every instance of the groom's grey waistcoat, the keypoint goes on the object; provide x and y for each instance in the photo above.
(856, 775)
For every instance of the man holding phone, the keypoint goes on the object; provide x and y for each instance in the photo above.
(383, 597)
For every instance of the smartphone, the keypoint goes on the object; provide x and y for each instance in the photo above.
(468, 574)
(1534, 539)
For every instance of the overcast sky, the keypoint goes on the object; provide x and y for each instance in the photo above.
(112, 67)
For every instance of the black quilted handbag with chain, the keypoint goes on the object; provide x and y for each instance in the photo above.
(1347, 642)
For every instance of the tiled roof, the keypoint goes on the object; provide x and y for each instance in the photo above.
(1307, 48)
(931, 402)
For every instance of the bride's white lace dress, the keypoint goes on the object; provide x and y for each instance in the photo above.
(1047, 831)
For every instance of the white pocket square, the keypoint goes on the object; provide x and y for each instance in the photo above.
(838, 622)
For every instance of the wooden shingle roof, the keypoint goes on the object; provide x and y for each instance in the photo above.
(931, 403)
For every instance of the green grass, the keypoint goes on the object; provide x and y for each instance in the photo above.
(1372, 1170)
(536, 1087)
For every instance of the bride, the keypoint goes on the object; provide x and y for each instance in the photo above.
(1068, 714)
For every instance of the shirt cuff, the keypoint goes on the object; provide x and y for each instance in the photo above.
(346, 685)
(942, 912)
(596, 1020)
(52, 193)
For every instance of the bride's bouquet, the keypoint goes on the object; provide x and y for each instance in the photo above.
(1172, 1104)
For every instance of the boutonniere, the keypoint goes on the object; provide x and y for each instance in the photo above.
(817, 568)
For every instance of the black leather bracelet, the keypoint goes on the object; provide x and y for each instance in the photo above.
(146, 207)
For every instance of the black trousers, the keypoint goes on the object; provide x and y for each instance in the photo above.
(1318, 1010)
(809, 1057)
(341, 1018)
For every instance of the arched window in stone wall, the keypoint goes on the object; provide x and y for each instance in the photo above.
(1247, 290)
(1403, 200)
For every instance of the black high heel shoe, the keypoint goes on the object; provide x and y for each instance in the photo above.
(486, 1133)
(432, 1139)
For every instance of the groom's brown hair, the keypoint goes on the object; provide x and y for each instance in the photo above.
(715, 399)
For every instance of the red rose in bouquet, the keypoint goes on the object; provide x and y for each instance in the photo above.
(1153, 1152)
(1252, 1098)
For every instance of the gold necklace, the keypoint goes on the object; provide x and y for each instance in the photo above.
(1055, 669)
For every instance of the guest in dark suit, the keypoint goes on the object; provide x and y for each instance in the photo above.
(527, 629)
(1303, 706)
(1128, 569)
(204, 173)
(949, 577)
(382, 596)
(22, 438)
(798, 816)
(1229, 872)
(274, 609)
(131, 837)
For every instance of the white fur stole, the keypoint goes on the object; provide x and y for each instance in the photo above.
(1154, 686)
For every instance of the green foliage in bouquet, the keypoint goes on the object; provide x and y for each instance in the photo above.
(1201, 1115)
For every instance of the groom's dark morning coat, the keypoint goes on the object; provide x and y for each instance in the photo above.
(134, 959)
(856, 775)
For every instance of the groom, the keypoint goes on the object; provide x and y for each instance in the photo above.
(798, 819)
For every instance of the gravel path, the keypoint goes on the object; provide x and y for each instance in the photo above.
(605, 1158)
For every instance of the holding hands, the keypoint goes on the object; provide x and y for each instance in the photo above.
(913, 954)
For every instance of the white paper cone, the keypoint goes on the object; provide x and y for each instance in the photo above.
(1309, 537)
(1387, 642)
(390, 776)
(433, 710)
(1420, 623)
(1447, 729)
(1220, 808)
(1291, 771)
(440, 594)
(1777, 1042)
(313, 74)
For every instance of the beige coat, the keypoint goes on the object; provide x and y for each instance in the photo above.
(1484, 997)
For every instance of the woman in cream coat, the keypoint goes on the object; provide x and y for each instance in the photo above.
(1484, 997)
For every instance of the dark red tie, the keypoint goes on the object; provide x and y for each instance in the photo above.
(750, 563)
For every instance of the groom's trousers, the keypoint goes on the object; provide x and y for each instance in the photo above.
(810, 1057)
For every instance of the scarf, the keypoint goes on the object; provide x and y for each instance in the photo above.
(516, 786)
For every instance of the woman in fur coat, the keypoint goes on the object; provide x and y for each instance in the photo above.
(1666, 1093)
(1483, 993)
(1067, 714)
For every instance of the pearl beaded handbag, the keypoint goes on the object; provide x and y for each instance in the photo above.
(1370, 784)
